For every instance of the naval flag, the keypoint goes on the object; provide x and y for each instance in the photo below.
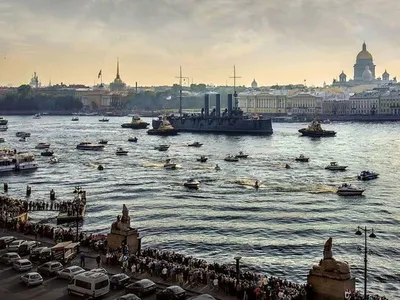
(98, 76)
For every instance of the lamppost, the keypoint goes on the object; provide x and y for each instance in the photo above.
(237, 258)
(372, 235)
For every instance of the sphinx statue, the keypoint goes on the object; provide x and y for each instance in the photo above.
(124, 222)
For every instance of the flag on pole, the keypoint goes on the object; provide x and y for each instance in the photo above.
(98, 76)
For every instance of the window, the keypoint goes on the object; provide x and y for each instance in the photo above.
(83, 284)
(101, 284)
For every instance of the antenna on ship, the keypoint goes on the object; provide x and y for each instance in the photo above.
(180, 89)
(234, 86)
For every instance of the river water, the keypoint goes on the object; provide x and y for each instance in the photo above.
(279, 229)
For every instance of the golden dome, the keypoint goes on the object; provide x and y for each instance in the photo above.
(364, 54)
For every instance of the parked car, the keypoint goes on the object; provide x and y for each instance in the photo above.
(35, 253)
(9, 258)
(6, 240)
(22, 265)
(50, 268)
(70, 272)
(31, 279)
(119, 281)
(202, 297)
(173, 292)
(128, 297)
(141, 287)
(14, 245)
(26, 247)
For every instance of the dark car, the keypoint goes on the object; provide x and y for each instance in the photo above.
(141, 287)
(173, 292)
(202, 297)
(129, 297)
(5, 241)
(50, 268)
(119, 281)
(35, 253)
(26, 247)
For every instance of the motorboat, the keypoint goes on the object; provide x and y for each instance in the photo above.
(241, 155)
(47, 152)
(103, 142)
(23, 134)
(349, 190)
(104, 120)
(3, 127)
(133, 139)
(89, 146)
(2, 140)
(333, 166)
(217, 168)
(195, 144)
(202, 158)
(367, 175)
(25, 161)
(100, 167)
(7, 163)
(192, 184)
(162, 147)
(75, 119)
(231, 158)
(169, 165)
(326, 121)
(315, 130)
(54, 160)
(36, 116)
(302, 158)
(121, 151)
(136, 123)
(42, 146)
(164, 128)
(3, 121)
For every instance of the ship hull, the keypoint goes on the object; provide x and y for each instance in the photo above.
(223, 125)
(324, 133)
(162, 132)
(135, 126)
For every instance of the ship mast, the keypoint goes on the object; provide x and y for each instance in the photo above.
(234, 86)
(180, 90)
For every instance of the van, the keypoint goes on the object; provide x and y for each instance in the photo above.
(22, 265)
(89, 284)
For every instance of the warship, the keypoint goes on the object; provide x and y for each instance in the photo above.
(232, 120)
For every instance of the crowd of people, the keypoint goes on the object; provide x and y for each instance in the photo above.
(360, 296)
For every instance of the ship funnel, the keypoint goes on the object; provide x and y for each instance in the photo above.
(206, 105)
(218, 105)
(230, 100)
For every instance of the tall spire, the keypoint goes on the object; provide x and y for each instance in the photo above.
(364, 47)
(118, 68)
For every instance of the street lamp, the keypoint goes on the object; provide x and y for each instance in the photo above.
(372, 235)
(237, 258)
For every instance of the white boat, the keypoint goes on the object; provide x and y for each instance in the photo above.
(121, 151)
(3, 121)
(42, 146)
(349, 190)
(3, 127)
(37, 116)
(54, 160)
(367, 175)
(333, 166)
(192, 184)
(75, 119)
(25, 161)
(89, 146)
(23, 134)
(7, 164)
(241, 155)
(169, 165)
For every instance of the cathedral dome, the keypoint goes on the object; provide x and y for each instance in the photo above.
(364, 54)
(367, 74)
(254, 84)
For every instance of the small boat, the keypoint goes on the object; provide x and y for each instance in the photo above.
(333, 166)
(231, 158)
(104, 120)
(195, 144)
(47, 152)
(164, 128)
(315, 130)
(349, 190)
(136, 123)
(162, 147)
(121, 151)
(22, 139)
(42, 146)
(23, 134)
(217, 168)
(169, 165)
(287, 166)
(3, 121)
(3, 127)
(242, 155)
(302, 158)
(36, 116)
(103, 142)
(326, 121)
(2, 140)
(133, 139)
(75, 119)
(192, 184)
(202, 158)
(100, 167)
(54, 160)
(89, 146)
(367, 175)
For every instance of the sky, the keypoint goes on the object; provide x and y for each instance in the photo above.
(275, 42)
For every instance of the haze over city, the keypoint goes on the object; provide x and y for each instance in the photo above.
(281, 42)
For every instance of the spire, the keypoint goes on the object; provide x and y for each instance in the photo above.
(118, 68)
(364, 47)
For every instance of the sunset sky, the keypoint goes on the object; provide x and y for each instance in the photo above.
(283, 41)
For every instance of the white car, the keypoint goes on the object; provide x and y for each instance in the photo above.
(70, 272)
(14, 245)
(9, 258)
(31, 279)
(22, 265)
(99, 270)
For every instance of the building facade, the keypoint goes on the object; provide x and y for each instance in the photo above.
(389, 103)
(259, 103)
(304, 104)
(99, 98)
(365, 103)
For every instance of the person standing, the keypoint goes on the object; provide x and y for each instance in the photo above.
(82, 260)
(98, 260)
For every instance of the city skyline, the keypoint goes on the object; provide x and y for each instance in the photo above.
(282, 43)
